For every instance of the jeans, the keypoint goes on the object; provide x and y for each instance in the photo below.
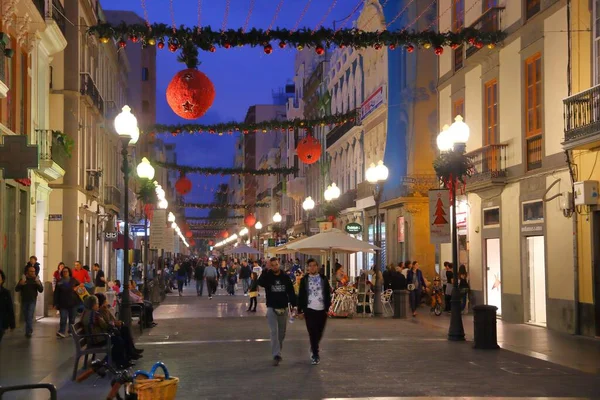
(415, 299)
(315, 325)
(180, 285)
(246, 284)
(277, 326)
(29, 312)
(253, 301)
(199, 286)
(223, 280)
(66, 313)
(211, 286)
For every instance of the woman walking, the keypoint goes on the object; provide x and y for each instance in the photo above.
(415, 278)
(66, 301)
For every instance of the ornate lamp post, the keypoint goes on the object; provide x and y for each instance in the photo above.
(145, 170)
(258, 227)
(451, 167)
(127, 128)
(377, 175)
(277, 218)
(308, 205)
(332, 192)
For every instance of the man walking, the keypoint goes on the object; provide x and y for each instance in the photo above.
(29, 286)
(314, 299)
(211, 275)
(100, 280)
(245, 272)
(280, 293)
(199, 276)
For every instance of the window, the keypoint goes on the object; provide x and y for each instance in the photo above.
(458, 108)
(23, 90)
(533, 111)
(532, 7)
(533, 211)
(145, 74)
(487, 4)
(490, 135)
(491, 217)
(458, 58)
(458, 14)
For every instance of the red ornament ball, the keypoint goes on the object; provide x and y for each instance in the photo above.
(410, 48)
(212, 49)
(320, 50)
(309, 150)
(134, 38)
(183, 185)
(161, 45)
(282, 45)
(392, 47)
(227, 45)
(439, 51)
(454, 46)
(250, 220)
(471, 41)
(211, 243)
(225, 234)
(190, 93)
(122, 43)
(268, 49)
(173, 47)
(189, 234)
(478, 45)
(192, 242)
(377, 46)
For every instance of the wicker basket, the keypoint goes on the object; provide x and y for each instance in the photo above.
(156, 388)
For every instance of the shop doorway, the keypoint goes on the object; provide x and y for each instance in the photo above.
(537, 280)
(493, 274)
(40, 219)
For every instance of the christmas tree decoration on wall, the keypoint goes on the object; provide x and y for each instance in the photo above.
(183, 185)
(186, 169)
(207, 39)
(309, 149)
(250, 220)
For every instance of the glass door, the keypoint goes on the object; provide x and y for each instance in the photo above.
(537, 280)
(493, 274)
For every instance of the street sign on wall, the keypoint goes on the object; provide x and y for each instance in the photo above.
(439, 216)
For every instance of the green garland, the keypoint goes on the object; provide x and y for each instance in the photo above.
(247, 127)
(216, 219)
(147, 192)
(186, 169)
(452, 166)
(204, 206)
(211, 224)
(205, 38)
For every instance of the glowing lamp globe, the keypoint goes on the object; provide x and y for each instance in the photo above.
(277, 217)
(163, 204)
(126, 123)
(135, 136)
(171, 217)
(459, 130)
(258, 225)
(444, 141)
(145, 170)
(382, 172)
(250, 220)
(370, 174)
(308, 204)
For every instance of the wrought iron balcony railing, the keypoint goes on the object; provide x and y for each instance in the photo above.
(339, 131)
(51, 148)
(582, 115)
(113, 196)
(489, 21)
(88, 88)
(56, 11)
(489, 163)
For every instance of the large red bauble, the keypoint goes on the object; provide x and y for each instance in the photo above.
(192, 242)
(309, 150)
(189, 234)
(225, 234)
(183, 185)
(250, 220)
(190, 94)
(211, 243)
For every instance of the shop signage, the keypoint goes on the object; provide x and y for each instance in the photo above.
(325, 226)
(371, 104)
(55, 217)
(314, 230)
(439, 216)
(271, 242)
(401, 229)
(111, 236)
(534, 228)
(157, 236)
(353, 228)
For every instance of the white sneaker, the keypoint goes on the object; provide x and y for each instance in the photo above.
(245, 294)
(61, 335)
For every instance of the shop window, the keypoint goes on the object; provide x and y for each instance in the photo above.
(491, 217)
(533, 211)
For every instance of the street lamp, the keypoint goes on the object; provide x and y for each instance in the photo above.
(453, 140)
(377, 175)
(277, 218)
(332, 192)
(171, 217)
(258, 227)
(145, 170)
(308, 205)
(127, 129)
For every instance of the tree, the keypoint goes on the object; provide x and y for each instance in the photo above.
(439, 213)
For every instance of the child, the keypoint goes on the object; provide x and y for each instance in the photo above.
(253, 291)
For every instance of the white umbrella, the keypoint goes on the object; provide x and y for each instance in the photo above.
(242, 249)
(284, 249)
(333, 240)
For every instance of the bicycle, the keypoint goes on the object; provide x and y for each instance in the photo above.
(121, 378)
(436, 298)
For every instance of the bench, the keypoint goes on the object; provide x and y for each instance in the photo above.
(137, 311)
(84, 349)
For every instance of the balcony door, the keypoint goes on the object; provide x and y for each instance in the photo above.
(490, 133)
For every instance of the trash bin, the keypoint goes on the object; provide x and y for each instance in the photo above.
(484, 321)
(400, 303)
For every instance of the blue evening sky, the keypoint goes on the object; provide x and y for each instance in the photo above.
(242, 76)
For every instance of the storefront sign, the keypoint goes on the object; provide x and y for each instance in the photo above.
(157, 236)
(111, 236)
(439, 216)
(55, 217)
(353, 228)
(534, 228)
(325, 226)
(371, 104)
(400, 229)
(271, 242)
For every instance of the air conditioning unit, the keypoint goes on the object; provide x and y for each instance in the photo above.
(586, 193)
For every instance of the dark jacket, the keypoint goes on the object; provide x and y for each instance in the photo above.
(409, 278)
(279, 289)
(64, 294)
(253, 285)
(303, 293)
(245, 272)
(397, 281)
(29, 291)
(7, 311)
(387, 279)
(199, 272)
(36, 266)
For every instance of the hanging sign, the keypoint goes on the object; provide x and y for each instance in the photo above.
(353, 228)
(157, 232)
(371, 104)
(439, 216)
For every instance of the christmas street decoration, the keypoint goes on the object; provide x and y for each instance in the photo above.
(186, 169)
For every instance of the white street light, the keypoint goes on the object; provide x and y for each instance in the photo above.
(171, 217)
(145, 170)
(332, 192)
(308, 204)
(244, 232)
(163, 204)
(377, 173)
(444, 139)
(258, 225)
(277, 217)
(126, 124)
(370, 174)
(173, 225)
(459, 131)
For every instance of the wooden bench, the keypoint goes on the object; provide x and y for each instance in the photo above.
(84, 349)
(137, 311)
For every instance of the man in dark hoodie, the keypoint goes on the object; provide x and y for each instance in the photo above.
(199, 276)
(280, 293)
(32, 263)
(29, 286)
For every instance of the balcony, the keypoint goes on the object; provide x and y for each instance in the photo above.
(88, 88)
(41, 6)
(339, 131)
(489, 165)
(56, 11)
(582, 119)
(92, 184)
(113, 197)
(347, 199)
(490, 21)
(53, 155)
(264, 195)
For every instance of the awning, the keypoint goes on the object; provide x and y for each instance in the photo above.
(120, 243)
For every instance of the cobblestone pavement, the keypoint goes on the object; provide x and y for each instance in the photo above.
(221, 352)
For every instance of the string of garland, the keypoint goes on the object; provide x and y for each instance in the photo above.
(207, 39)
(216, 218)
(204, 206)
(186, 169)
(246, 127)
(211, 224)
